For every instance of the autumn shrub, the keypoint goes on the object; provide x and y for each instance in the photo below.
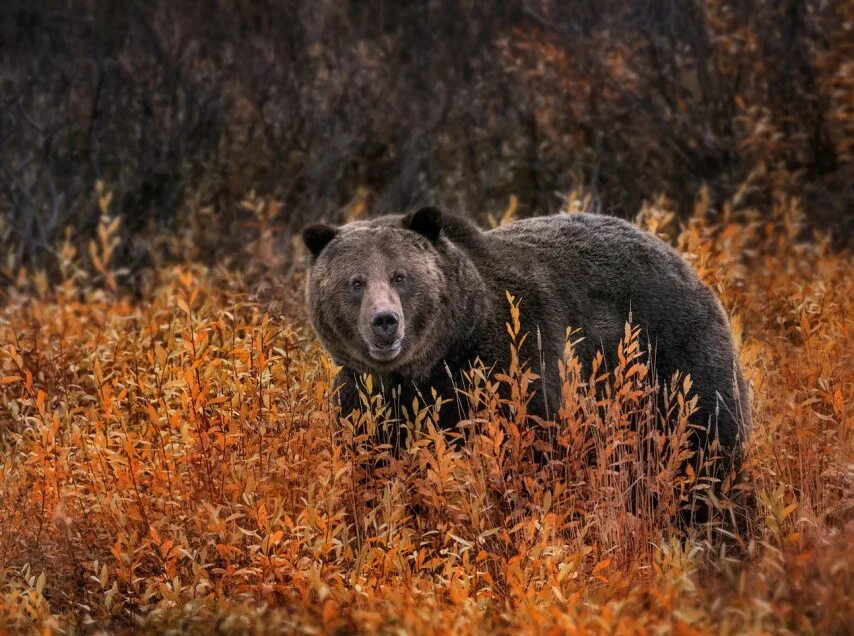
(174, 460)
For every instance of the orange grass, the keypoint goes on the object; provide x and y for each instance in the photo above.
(174, 462)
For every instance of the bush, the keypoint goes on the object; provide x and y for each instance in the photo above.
(175, 460)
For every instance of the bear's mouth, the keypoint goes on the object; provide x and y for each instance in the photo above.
(384, 354)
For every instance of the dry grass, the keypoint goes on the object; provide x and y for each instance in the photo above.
(174, 461)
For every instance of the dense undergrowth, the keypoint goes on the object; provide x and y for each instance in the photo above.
(174, 461)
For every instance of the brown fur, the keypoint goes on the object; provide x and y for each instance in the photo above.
(586, 271)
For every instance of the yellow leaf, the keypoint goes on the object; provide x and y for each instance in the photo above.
(161, 354)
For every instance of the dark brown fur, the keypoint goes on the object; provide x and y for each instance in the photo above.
(583, 270)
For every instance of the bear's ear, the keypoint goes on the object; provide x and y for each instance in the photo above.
(317, 236)
(426, 221)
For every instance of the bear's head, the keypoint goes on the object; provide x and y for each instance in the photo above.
(377, 293)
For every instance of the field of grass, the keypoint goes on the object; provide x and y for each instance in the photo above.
(172, 460)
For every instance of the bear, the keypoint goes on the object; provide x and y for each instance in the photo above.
(413, 300)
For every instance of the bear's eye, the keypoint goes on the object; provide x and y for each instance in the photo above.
(357, 284)
(398, 278)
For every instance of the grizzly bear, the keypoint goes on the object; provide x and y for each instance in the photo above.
(415, 299)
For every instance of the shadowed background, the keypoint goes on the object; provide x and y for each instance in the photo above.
(182, 110)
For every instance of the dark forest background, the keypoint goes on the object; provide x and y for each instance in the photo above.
(183, 110)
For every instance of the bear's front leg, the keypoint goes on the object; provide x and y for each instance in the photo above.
(346, 392)
(348, 388)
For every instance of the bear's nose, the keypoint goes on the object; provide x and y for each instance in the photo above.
(384, 324)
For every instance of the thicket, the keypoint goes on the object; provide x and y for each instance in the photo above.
(175, 462)
(183, 109)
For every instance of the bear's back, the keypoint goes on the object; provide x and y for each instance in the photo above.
(609, 255)
(587, 234)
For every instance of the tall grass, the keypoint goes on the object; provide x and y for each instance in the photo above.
(174, 461)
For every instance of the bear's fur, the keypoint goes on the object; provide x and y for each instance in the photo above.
(446, 280)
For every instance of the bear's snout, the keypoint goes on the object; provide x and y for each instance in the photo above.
(384, 324)
(381, 321)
